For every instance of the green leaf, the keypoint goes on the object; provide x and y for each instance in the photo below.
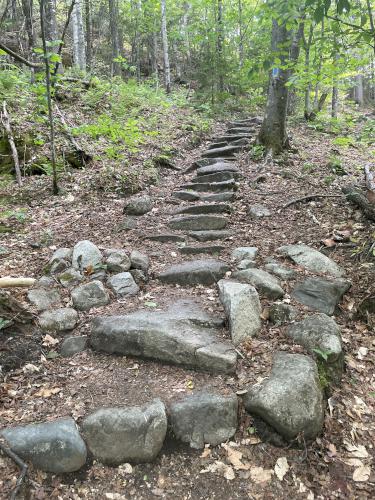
(151, 304)
(2, 52)
(319, 14)
(38, 51)
(52, 355)
(54, 58)
(4, 323)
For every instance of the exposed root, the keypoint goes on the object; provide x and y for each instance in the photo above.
(21, 464)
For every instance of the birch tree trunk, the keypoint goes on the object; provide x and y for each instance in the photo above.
(115, 39)
(88, 34)
(307, 46)
(164, 36)
(79, 49)
(219, 48)
(50, 21)
(240, 33)
(335, 90)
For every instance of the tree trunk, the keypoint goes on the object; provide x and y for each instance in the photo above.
(219, 46)
(240, 33)
(79, 49)
(164, 35)
(88, 34)
(273, 134)
(335, 91)
(185, 34)
(307, 46)
(115, 39)
(50, 21)
(27, 8)
(358, 90)
(319, 70)
(293, 58)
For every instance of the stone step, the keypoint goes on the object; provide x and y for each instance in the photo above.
(198, 222)
(186, 195)
(216, 177)
(240, 130)
(184, 335)
(195, 272)
(216, 145)
(205, 162)
(165, 238)
(208, 249)
(232, 137)
(225, 152)
(209, 235)
(221, 197)
(215, 208)
(206, 187)
(217, 167)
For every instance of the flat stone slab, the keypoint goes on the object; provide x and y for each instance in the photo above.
(127, 434)
(204, 162)
(219, 197)
(282, 272)
(214, 208)
(198, 222)
(267, 284)
(217, 167)
(226, 151)
(219, 144)
(165, 238)
(320, 294)
(214, 187)
(233, 137)
(242, 307)
(311, 259)
(51, 446)
(204, 418)
(223, 176)
(209, 235)
(290, 400)
(208, 249)
(195, 272)
(182, 335)
(240, 130)
(186, 195)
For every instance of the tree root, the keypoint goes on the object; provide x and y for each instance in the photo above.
(309, 198)
(21, 464)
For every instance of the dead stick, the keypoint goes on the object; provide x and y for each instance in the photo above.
(7, 282)
(6, 124)
(21, 464)
(309, 198)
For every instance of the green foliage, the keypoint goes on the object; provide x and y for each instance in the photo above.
(257, 152)
(336, 166)
(343, 141)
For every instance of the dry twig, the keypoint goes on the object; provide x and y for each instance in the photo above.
(309, 198)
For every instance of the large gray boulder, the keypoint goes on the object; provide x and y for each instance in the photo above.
(204, 418)
(242, 306)
(58, 320)
(195, 272)
(268, 285)
(90, 295)
(52, 446)
(42, 298)
(198, 222)
(320, 335)
(86, 254)
(123, 284)
(290, 400)
(320, 294)
(118, 261)
(130, 434)
(138, 205)
(140, 261)
(311, 259)
(182, 335)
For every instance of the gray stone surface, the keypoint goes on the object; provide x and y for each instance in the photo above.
(216, 177)
(207, 249)
(290, 400)
(194, 272)
(186, 195)
(234, 137)
(240, 130)
(214, 208)
(242, 307)
(218, 144)
(128, 224)
(205, 162)
(58, 266)
(118, 261)
(204, 418)
(70, 277)
(320, 294)
(90, 295)
(138, 205)
(165, 238)
(225, 152)
(268, 285)
(123, 284)
(46, 282)
(86, 254)
(209, 235)
(258, 211)
(217, 167)
(311, 259)
(198, 222)
(127, 434)
(182, 335)
(241, 253)
(42, 298)
(139, 260)
(218, 197)
(52, 446)
(282, 272)
(206, 187)
(321, 332)
(61, 254)
(73, 345)
(58, 320)
(282, 313)
(139, 276)
(246, 264)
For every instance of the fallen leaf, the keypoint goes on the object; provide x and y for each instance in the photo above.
(353, 462)
(260, 475)
(234, 457)
(281, 467)
(206, 453)
(329, 242)
(332, 451)
(362, 353)
(151, 304)
(190, 384)
(361, 474)
(356, 451)
(221, 468)
(48, 340)
(30, 368)
(47, 393)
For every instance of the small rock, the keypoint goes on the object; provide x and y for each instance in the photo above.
(61, 254)
(70, 277)
(90, 295)
(246, 264)
(282, 313)
(130, 434)
(138, 205)
(204, 418)
(282, 272)
(267, 284)
(140, 261)
(86, 254)
(52, 446)
(241, 253)
(127, 224)
(258, 211)
(43, 299)
(46, 282)
(242, 306)
(58, 320)
(139, 276)
(290, 400)
(73, 345)
(58, 266)
(123, 284)
(195, 272)
(118, 261)
(320, 294)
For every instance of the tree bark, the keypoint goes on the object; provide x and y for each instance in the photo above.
(88, 34)
(115, 38)
(50, 21)
(240, 33)
(219, 46)
(335, 92)
(307, 47)
(6, 124)
(27, 8)
(164, 36)
(79, 49)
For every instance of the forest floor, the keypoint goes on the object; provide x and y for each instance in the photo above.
(336, 464)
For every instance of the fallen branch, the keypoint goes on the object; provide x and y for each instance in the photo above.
(6, 124)
(309, 198)
(19, 58)
(21, 464)
(355, 195)
(8, 282)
